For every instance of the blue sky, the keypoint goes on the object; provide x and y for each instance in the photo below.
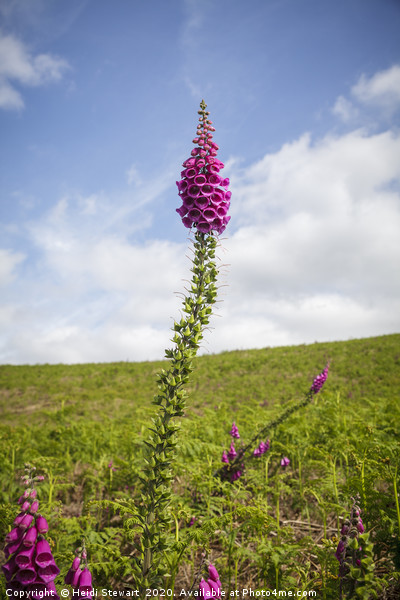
(98, 107)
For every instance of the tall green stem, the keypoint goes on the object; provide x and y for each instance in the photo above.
(396, 498)
(154, 514)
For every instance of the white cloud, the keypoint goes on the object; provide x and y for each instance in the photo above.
(132, 176)
(381, 89)
(317, 251)
(344, 109)
(18, 65)
(8, 261)
(381, 92)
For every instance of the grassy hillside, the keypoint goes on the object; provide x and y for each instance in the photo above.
(275, 527)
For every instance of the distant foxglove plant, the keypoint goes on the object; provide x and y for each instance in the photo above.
(80, 579)
(355, 555)
(235, 431)
(234, 460)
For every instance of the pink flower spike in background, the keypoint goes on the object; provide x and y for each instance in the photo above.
(235, 431)
(202, 183)
(262, 448)
(232, 454)
(320, 380)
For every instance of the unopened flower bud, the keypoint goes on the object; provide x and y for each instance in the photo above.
(41, 524)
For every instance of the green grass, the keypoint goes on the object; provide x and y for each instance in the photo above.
(274, 527)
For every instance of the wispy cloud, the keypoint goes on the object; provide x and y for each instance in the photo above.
(19, 67)
(8, 261)
(345, 109)
(133, 176)
(380, 91)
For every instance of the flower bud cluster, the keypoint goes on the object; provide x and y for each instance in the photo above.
(30, 568)
(204, 193)
(319, 380)
(228, 457)
(348, 549)
(212, 587)
(80, 579)
(262, 448)
(235, 431)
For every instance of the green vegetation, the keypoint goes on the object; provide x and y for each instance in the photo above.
(273, 528)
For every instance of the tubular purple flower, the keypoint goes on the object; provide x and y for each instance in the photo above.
(215, 587)
(48, 573)
(222, 210)
(41, 524)
(194, 213)
(24, 557)
(204, 226)
(26, 521)
(19, 518)
(217, 223)
(360, 526)
(340, 550)
(52, 592)
(44, 556)
(71, 573)
(182, 210)
(195, 190)
(12, 547)
(285, 462)
(37, 590)
(209, 214)
(207, 189)
(26, 576)
(75, 578)
(201, 202)
(187, 221)
(85, 581)
(200, 179)
(188, 201)
(225, 458)
(204, 589)
(9, 568)
(14, 535)
(30, 536)
(213, 573)
(214, 179)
